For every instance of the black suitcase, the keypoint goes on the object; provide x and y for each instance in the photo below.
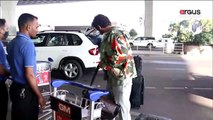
(138, 64)
(137, 93)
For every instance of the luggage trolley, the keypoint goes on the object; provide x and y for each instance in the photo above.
(69, 106)
(43, 79)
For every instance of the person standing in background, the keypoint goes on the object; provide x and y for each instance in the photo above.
(24, 92)
(4, 73)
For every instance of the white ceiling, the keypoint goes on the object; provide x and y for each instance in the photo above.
(30, 2)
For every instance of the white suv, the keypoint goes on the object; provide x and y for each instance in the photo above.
(143, 41)
(71, 51)
(164, 41)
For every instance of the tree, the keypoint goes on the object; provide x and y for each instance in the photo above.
(167, 35)
(185, 23)
(184, 36)
(204, 38)
(207, 25)
(180, 31)
(133, 33)
(206, 35)
(192, 31)
(174, 27)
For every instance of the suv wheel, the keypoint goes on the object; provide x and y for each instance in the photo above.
(149, 46)
(72, 70)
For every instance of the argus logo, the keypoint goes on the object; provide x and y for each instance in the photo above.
(190, 12)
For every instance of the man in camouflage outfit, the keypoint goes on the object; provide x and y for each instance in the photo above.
(116, 58)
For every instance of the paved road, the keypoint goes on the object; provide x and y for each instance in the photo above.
(176, 86)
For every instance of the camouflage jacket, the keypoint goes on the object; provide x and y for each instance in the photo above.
(116, 56)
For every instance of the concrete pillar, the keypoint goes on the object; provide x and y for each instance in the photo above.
(148, 21)
(8, 12)
(0, 9)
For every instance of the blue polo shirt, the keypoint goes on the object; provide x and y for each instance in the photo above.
(3, 60)
(21, 54)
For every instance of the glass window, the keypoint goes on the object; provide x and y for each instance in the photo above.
(151, 38)
(57, 40)
(146, 38)
(139, 38)
(74, 40)
(39, 40)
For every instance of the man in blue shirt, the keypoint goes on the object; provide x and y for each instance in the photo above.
(24, 92)
(3, 71)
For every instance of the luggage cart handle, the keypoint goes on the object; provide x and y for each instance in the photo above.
(94, 93)
(58, 83)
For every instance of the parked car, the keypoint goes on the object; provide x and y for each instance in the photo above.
(72, 52)
(131, 41)
(163, 41)
(148, 42)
